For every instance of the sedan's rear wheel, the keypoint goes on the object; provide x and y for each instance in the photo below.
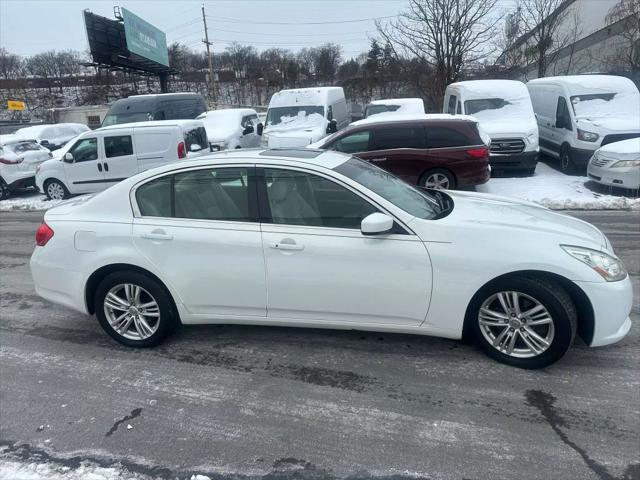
(134, 309)
(525, 322)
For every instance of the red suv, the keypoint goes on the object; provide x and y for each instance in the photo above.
(434, 151)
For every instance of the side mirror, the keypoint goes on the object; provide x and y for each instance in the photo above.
(247, 130)
(332, 127)
(68, 157)
(260, 128)
(376, 224)
(195, 147)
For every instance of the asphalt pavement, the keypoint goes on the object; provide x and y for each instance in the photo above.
(237, 402)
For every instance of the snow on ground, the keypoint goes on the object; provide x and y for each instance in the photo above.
(27, 201)
(558, 191)
(11, 470)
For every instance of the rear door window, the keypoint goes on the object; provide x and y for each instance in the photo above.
(398, 137)
(443, 137)
(118, 146)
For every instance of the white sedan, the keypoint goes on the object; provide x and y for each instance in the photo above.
(320, 239)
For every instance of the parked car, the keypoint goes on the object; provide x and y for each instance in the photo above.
(52, 136)
(503, 108)
(163, 106)
(617, 164)
(296, 118)
(394, 105)
(100, 158)
(580, 113)
(337, 243)
(232, 128)
(433, 151)
(19, 158)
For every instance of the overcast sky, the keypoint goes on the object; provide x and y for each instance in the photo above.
(28, 27)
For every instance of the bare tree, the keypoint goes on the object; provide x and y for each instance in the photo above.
(445, 34)
(10, 64)
(542, 20)
(628, 13)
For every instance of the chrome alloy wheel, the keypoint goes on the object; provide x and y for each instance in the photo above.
(437, 180)
(516, 324)
(55, 191)
(131, 311)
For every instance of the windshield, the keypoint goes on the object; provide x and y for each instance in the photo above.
(606, 104)
(496, 109)
(28, 146)
(402, 195)
(279, 115)
(475, 106)
(375, 109)
(117, 119)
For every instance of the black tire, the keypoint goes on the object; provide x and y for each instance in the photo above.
(531, 172)
(566, 161)
(4, 190)
(552, 297)
(434, 172)
(51, 184)
(166, 321)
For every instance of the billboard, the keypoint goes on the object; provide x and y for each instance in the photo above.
(144, 39)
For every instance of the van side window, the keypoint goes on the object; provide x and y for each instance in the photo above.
(356, 142)
(246, 121)
(195, 136)
(118, 146)
(443, 137)
(85, 150)
(452, 104)
(562, 115)
(398, 137)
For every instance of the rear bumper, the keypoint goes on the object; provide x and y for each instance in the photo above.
(516, 161)
(611, 302)
(476, 176)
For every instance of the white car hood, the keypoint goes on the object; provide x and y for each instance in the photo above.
(609, 124)
(506, 217)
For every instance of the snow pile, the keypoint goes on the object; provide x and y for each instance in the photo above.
(10, 470)
(34, 201)
(299, 122)
(557, 191)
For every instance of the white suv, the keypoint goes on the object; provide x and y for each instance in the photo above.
(19, 159)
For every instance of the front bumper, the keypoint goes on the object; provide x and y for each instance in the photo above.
(612, 303)
(516, 161)
(24, 182)
(628, 177)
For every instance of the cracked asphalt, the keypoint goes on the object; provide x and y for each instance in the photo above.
(255, 402)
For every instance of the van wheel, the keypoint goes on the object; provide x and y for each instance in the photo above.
(4, 190)
(524, 322)
(566, 162)
(438, 179)
(55, 190)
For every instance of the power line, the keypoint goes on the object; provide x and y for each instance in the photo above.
(277, 44)
(185, 24)
(364, 32)
(239, 20)
(197, 32)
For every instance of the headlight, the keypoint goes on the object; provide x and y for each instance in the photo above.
(610, 268)
(264, 141)
(626, 163)
(587, 136)
(532, 138)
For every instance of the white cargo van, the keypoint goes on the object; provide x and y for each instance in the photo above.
(503, 109)
(577, 114)
(401, 106)
(97, 159)
(298, 117)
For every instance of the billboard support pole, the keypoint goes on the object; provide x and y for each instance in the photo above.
(164, 82)
(208, 44)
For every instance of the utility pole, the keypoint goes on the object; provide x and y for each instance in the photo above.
(206, 41)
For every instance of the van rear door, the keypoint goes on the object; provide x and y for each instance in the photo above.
(119, 160)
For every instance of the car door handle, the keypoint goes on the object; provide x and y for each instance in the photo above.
(106, 167)
(99, 167)
(157, 236)
(286, 246)
(379, 159)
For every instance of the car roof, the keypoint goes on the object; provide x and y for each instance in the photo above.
(10, 139)
(417, 117)
(154, 123)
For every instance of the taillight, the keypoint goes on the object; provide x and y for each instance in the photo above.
(182, 150)
(7, 161)
(478, 152)
(43, 235)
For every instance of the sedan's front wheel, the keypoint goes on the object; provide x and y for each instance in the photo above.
(134, 309)
(524, 322)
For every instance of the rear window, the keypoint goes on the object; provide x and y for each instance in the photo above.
(195, 136)
(375, 109)
(23, 147)
(398, 137)
(443, 137)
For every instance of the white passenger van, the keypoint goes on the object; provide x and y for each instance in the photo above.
(298, 117)
(578, 114)
(97, 159)
(503, 109)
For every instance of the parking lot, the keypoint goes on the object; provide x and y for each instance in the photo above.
(248, 402)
